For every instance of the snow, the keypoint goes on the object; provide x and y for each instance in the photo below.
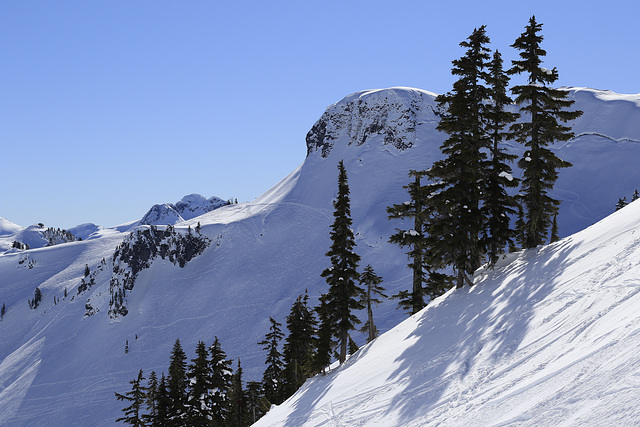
(506, 175)
(56, 364)
(548, 338)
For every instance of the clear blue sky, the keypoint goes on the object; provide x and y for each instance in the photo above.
(108, 107)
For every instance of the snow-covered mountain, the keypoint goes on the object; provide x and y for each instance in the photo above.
(61, 363)
(548, 338)
(188, 207)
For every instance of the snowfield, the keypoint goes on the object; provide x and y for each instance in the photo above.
(547, 338)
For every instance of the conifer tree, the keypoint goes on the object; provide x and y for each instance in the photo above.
(177, 385)
(341, 276)
(542, 107)
(415, 208)
(163, 406)
(256, 406)
(635, 196)
(221, 374)
(298, 350)
(622, 202)
(238, 413)
(498, 205)
(151, 399)
(324, 341)
(458, 179)
(199, 376)
(136, 398)
(370, 282)
(273, 378)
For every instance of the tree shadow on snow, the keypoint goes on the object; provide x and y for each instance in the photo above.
(485, 323)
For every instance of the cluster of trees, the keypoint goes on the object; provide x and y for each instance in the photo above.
(622, 202)
(37, 298)
(204, 392)
(462, 215)
(19, 245)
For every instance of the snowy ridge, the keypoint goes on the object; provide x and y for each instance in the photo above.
(274, 247)
(548, 338)
(188, 207)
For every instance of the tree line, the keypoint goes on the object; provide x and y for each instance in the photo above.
(460, 210)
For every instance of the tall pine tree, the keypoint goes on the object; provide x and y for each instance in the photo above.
(542, 107)
(341, 276)
(426, 281)
(273, 377)
(370, 282)
(256, 406)
(458, 179)
(498, 206)
(177, 385)
(298, 350)
(151, 399)
(199, 375)
(136, 398)
(324, 341)
(238, 412)
(221, 375)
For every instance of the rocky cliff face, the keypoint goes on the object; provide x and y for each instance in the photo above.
(394, 113)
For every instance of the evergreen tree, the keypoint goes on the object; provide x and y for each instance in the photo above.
(371, 284)
(635, 196)
(498, 206)
(177, 385)
(299, 345)
(199, 375)
(163, 406)
(341, 276)
(136, 398)
(324, 341)
(221, 374)
(273, 377)
(151, 399)
(425, 280)
(256, 406)
(621, 203)
(459, 178)
(542, 107)
(238, 414)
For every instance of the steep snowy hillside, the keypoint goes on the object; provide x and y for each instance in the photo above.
(61, 363)
(548, 338)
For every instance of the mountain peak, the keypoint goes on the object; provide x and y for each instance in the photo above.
(388, 116)
(188, 207)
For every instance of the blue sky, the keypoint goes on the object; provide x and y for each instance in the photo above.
(108, 107)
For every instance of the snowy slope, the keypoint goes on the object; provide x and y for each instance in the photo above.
(549, 338)
(58, 362)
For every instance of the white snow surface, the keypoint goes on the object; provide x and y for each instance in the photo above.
(60, 368)
(550, 337)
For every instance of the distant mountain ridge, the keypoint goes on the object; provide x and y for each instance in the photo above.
(36, 236)
(187, 208)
